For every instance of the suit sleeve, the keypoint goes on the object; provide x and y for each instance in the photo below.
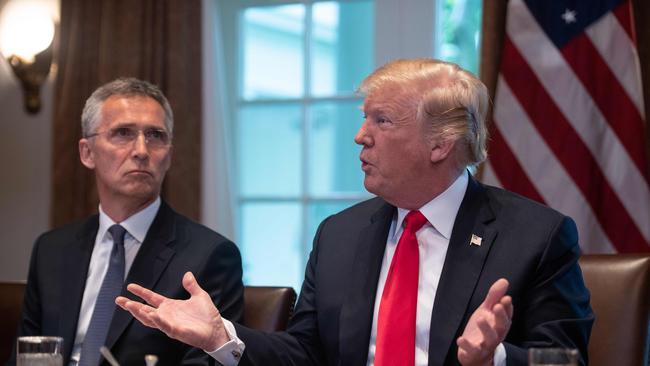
(555, 310)
(221, 277)
(300, 345)
(30, 322)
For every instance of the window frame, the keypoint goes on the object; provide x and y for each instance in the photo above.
(398, 33)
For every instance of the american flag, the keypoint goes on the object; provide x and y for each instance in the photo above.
(569, 127)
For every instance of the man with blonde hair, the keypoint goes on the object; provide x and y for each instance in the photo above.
(437, 270)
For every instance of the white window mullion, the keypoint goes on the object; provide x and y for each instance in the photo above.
(305, 158)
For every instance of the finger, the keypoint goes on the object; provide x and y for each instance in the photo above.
(506, 301)
(467, 351)
(463, 352)
(501, 320)
(496, 292)
(147, 295)
(489, 335)
(143, 313)
(120, 301)
(190, 284)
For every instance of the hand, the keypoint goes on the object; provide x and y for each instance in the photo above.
(487, 327)
(195, 321)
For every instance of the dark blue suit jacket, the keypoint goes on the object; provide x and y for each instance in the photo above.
(174, 245)
(532, 246)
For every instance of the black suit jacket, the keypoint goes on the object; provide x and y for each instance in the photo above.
(532, 246)
(173, 245)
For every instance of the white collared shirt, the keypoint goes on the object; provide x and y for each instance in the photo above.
(136, 226)
(433, 241)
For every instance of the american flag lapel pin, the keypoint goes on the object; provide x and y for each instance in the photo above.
(476, 240)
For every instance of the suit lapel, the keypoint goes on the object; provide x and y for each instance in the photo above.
(76, 260)
(358, 307)
(461, 271)
(152, 258)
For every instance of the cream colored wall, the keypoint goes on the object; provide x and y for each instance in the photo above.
(25, 148)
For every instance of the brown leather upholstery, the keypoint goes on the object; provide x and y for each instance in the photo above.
(11, 303)
(620, 297)
(268, 308)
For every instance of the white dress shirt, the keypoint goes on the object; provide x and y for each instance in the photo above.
(433, 241)
(136, 227)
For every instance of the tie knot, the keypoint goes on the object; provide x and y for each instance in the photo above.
(117, 232)
(414, 221)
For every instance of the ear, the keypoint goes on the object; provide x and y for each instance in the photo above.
(86, 154)
(441, 149)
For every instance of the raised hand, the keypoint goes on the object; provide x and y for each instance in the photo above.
(195, 321)
(487, 327)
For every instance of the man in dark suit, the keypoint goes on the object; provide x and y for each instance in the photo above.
(77, 271)
(437, 270)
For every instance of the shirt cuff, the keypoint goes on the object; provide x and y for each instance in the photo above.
(500, 355)
(230, 352)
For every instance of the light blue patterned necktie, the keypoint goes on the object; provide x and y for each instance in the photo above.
(105, 304)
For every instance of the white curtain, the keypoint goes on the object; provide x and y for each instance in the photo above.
(217, 206)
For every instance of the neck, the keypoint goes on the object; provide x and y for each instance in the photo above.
(120, 210)
(427, 189)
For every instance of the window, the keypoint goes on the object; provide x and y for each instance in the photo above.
(458, 27)
(292, 68)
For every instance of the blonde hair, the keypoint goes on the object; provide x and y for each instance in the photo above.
(450, 100)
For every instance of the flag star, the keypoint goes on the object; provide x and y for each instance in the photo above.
(569, 16)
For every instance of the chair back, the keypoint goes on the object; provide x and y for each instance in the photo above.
(11, 303)
(620, 297)
(268, 308)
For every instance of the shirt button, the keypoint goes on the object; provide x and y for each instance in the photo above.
(236, 354)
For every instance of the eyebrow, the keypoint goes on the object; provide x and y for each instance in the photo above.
(134, 124)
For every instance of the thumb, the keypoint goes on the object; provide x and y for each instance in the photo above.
(496, 292)
(190, 284)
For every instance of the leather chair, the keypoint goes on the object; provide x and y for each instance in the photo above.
(11, 303)
(268, 308)
(620, 297)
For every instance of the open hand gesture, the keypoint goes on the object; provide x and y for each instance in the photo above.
(195, 321)
(487, 327)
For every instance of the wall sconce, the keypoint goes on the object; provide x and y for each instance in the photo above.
(26, 39)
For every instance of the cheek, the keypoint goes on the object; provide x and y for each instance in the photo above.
(164, 164)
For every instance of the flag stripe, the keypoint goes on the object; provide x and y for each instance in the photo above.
(579, 109)
(612, 100)
(537, 161)
(618, 51)
(623, 13)
(507, 168)
(569, 150)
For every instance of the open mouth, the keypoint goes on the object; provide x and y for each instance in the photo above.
(364, 164)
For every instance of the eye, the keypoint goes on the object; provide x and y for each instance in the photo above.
(383, 119)
(122, 132)
(156, 136)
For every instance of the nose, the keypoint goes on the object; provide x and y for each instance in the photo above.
(140, 150)
(363, 136)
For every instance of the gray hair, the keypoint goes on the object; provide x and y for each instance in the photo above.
(451, 101)
(128, 87)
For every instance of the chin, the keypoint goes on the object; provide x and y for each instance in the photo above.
(372, 187)
(141, 192)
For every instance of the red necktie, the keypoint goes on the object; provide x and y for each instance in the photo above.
(396, 320)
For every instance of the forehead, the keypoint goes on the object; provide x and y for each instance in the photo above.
(388, 100)
(141, 111)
